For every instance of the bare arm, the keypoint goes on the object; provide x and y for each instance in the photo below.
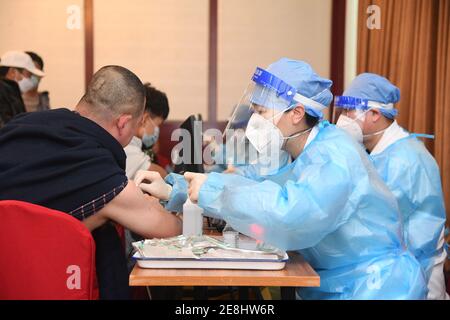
(139, 213)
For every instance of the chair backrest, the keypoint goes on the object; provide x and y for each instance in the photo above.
(44, 254)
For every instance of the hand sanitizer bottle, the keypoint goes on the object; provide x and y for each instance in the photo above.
(192, 219)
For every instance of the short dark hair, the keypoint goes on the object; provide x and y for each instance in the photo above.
(36, 58)
(156, 103)
(310, 120)
(115, 90)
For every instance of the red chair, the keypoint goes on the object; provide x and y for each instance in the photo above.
(44, 254)
(121, 232)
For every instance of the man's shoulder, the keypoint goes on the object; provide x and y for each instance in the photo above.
(409, 150)
(59, 117)
(61, 124)
(335, 141)
(48, 118)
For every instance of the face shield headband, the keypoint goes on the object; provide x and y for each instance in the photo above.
(352, 103)
(284, 90)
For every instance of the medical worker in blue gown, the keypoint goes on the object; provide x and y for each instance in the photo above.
(328, 203)
(367, 111)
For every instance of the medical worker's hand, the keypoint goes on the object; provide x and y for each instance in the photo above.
(152, 183)
(195, 181)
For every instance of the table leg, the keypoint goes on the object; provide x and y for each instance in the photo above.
(287, 293)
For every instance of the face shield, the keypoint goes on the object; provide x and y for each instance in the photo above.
(261, 107)
(258, 112)
(351, 107)
(267, 96)
(350, 114)
(252, 131)
(356, 108)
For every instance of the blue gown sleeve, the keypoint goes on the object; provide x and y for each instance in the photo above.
(249, 172)
(178, 195)
(254, 171)
(295, 216)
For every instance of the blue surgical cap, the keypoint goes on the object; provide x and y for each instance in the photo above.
(375, 88)
(302, 77)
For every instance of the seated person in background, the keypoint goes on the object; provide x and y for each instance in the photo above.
(33, 99)
(16, 69)
(155, 113)
(158, 157)
(73, 161)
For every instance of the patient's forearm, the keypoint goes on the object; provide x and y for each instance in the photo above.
(141, 214)
(94, 221)
(168, 225)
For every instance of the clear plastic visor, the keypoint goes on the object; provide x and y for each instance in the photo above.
(260, 100)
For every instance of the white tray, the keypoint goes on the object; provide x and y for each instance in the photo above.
(210, 263)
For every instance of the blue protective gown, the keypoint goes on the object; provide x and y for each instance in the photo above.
(411, 173)
(331, 206)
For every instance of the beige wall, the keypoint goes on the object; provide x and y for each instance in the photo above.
(351, 42)
(257, 32)
(41, 26)
(164, 42)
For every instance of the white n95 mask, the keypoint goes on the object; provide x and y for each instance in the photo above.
(263, 133)
(351, 127)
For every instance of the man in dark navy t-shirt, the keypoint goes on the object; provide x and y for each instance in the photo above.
(73, 161)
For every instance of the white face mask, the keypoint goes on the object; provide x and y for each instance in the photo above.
(351, 126)
(263, 134)
(26, 84)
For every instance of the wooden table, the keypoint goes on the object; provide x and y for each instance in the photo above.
(297, 273)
